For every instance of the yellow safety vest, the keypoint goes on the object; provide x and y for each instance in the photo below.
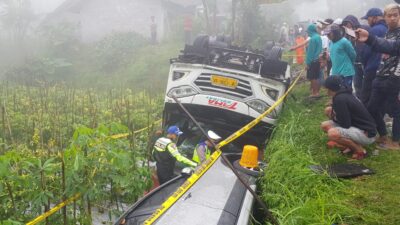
(196, 157)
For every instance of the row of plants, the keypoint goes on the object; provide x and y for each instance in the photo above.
(57, 142)
(52, 112)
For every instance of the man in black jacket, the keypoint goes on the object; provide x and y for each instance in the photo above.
(386, 85)
(350, 124)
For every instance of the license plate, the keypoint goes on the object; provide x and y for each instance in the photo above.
(224, 81)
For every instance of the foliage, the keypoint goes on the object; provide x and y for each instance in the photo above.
(52, 111)
(117, 50)
(97, 166)
(17, 18)
(51, 127)
(54, 69)
(61, 39)
(251, 24)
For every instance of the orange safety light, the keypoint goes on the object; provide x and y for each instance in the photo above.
(249, 156)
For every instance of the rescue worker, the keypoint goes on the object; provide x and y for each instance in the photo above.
(166, 153)
(203, 151)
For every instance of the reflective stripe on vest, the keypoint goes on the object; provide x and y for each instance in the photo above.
(161, 144)
(196, 157)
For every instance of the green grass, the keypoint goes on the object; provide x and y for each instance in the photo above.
(298, 196)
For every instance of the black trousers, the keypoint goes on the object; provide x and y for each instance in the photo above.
(358, 79)
(384, 94)
(367, 87)
(164, 174)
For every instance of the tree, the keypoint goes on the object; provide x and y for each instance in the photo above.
(206, 16)
(17, 18)
(251, 24)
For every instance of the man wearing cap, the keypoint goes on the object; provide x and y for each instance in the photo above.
(342, 54)
(351, 22)
(371, 58)
(202, 151)
(386, 86)
(350, 124)
(166, 153)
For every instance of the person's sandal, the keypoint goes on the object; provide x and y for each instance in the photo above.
(331, 144)
(359, 155)
(346, 151)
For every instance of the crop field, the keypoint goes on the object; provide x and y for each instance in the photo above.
(57, 142)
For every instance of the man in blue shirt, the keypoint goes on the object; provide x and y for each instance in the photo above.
(371, 58)
(313, 51)
(342, 54)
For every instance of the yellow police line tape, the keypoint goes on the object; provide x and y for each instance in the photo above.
(116, 136)
(208, 163)
(292, 55)
(68, 201)
(53, 210)
(250, 125)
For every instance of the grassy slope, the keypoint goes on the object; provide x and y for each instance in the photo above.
(148, 70)
(298, 196)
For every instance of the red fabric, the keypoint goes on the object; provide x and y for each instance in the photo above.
(300, 51)
(187, 24)
(154, 178)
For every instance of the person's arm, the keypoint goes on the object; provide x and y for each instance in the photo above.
(391, 47)
(201, 152)
(342, 113)
(301, 45)
(350, 51)
(173, 150)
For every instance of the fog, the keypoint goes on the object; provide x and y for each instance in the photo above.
(54, 34)
(45, 6)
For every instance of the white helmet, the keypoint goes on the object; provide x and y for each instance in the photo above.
(212, 135)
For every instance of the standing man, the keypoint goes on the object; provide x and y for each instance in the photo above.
(314, 49)
(153, 31)
(350, 124)
(204, 149)
(342, 54)
(371, 58)
(351, 22)
(386, 85)
(166, 154)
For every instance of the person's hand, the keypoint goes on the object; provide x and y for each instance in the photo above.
(291, 49)
(306, 67)
(362, 35)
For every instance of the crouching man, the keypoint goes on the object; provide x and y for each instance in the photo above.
(350, 124)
